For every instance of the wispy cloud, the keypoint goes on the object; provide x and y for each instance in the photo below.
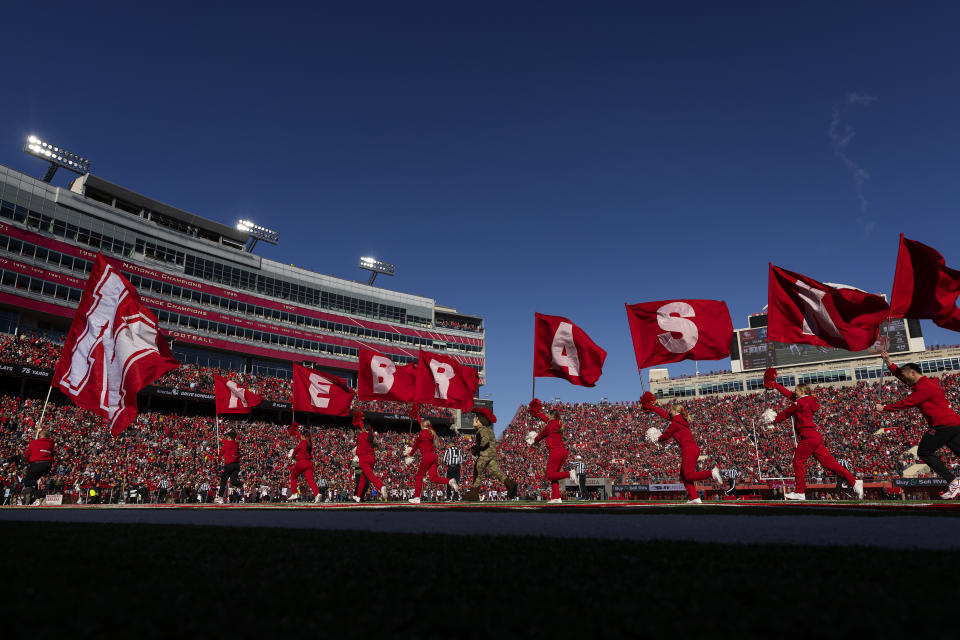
(841, 134)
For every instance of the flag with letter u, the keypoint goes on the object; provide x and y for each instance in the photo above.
(113, 349)
(561, 349)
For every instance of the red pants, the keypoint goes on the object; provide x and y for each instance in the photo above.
(306, 468)
(688, 470)
(811, 444)
(554, 471)
(366, 466)
(428, 464)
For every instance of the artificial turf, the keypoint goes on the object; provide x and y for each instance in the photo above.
(84, 580)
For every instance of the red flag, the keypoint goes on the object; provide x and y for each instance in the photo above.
(443, 382)
(231, 397)
(924, 287)
(317, 392)
(113, 350)
(379, 378)
(561, 349)
(803, 310)
(675, 330)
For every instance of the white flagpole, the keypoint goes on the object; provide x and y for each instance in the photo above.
(218, 437)
(43, 412)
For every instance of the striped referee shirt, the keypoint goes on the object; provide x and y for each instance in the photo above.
(164, 484)
(844, 463)
(579, 467)
(453, 456)
(322, 483)
(731, 474)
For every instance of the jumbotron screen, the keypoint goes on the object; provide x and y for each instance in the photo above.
(757, 353)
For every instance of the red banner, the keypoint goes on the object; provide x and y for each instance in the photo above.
(231, 397)
(317, 392)
(443, 382)
(113, 349)
(674, 330)
(561, 349)
(802, 310)
(924, 286)
(379, 378)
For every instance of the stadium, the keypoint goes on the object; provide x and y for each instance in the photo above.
(195, 438)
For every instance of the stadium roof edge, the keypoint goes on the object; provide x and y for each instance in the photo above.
(95, 182)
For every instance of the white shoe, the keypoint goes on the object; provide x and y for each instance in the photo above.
(573, 476)
(317, 499)
(218, 500)
(356, 498)
(715, 474)
(414, 500)
(953, 489)
(695, 501)
(795, 496)
(453, 485)
(291, 498)
(858, 489)
(36, 503)
(554, 501)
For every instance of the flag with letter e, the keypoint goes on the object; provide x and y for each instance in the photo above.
(379, 378)
(113, 349)
(317, 392)
(924, 287)
(231, 397)
(561, 349)
(802, 310)
(443, 382)
(674, 330)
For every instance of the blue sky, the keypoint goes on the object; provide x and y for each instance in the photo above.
(512, 158)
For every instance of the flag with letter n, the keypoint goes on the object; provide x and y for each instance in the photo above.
(113, 349)
(561, 349)
(802, 310)
(674, 330)
(317, 392)
(230, 397)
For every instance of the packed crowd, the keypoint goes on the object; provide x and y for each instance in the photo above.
(607, 438)
(610, 438)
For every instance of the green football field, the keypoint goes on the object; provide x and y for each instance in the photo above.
(86, 580)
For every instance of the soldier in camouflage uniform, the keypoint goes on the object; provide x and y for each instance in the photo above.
(485, 449)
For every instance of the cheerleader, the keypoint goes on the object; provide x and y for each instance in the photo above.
(809, 440)
(552, 433)
(679, 430)
(364, 453)
(428, 461)
(302, 455)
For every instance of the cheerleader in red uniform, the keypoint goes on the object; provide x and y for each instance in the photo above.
(809, 440)
(428, 461)
(302, 455)
(364, 452)
(679, 430)
(552, 433)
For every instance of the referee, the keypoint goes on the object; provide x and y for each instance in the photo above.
(453, 458)
(731, 475)
(581, 470)
(843, 487)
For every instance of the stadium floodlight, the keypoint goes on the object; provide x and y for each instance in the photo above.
(56, 156)
(257, 232)
(376, 267)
